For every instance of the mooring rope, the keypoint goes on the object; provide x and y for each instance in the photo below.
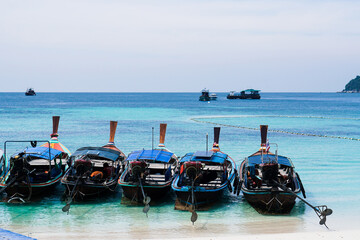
(199, 120)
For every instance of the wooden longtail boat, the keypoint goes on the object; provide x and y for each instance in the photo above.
(260, 174)
(270, 183)
(148, 173)
(35, 169)
(93, 170)
(203, 177)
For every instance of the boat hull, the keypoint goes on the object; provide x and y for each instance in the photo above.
(249, 96)
(270, 202)
(204, 99)
(202, 198)
(85, 190)
(133, 192)
(36, 188)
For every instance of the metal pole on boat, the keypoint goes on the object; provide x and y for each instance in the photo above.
(207, 142)
(152, 140)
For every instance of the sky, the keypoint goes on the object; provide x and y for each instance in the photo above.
(178, 45)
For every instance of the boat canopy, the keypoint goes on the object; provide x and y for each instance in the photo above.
(251, 90)
(98, 152)
(203, 156)
(256, 159)
(41, 152)
(155, 154)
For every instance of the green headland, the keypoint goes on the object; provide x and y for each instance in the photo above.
(353, 86)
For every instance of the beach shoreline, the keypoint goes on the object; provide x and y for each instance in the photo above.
(328, 235)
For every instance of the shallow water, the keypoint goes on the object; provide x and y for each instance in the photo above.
(328, 166)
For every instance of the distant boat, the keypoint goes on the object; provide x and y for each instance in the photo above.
(30, 92)
(246, 94)
(213, 96)
(204, 95)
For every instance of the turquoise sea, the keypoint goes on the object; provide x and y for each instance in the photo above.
(320, 132)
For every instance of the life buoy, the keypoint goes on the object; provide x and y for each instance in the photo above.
(97, 175)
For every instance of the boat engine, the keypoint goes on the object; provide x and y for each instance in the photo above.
(192, 169)
(82, 166)
(19, 166)
(137, 168)
(269, 172)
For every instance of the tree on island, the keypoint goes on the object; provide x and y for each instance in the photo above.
(353, 85)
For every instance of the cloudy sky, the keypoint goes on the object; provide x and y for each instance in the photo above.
(179, 45)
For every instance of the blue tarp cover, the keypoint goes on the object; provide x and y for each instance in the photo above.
(42, 152)
(100, 152)
(5, 234)
(155, 155)
(253, 160)
(216, 157)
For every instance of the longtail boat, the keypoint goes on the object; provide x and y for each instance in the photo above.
(93, 170)
(34, 170)
(148, 173)
(270, 183)
(203, 177)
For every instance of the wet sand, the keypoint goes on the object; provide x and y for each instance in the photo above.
(328, 235)
(289, 228)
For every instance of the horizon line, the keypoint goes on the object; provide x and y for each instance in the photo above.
(168, 92)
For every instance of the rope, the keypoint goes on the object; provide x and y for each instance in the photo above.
(279, 116)
(278, 131)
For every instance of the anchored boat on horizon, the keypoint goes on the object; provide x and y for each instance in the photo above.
(245, 94)
(30, 92)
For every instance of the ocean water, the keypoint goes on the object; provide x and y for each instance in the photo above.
(320, 132)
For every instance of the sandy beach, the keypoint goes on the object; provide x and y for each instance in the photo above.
(328, 235)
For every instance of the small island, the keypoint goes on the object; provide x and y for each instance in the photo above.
(353, 86)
